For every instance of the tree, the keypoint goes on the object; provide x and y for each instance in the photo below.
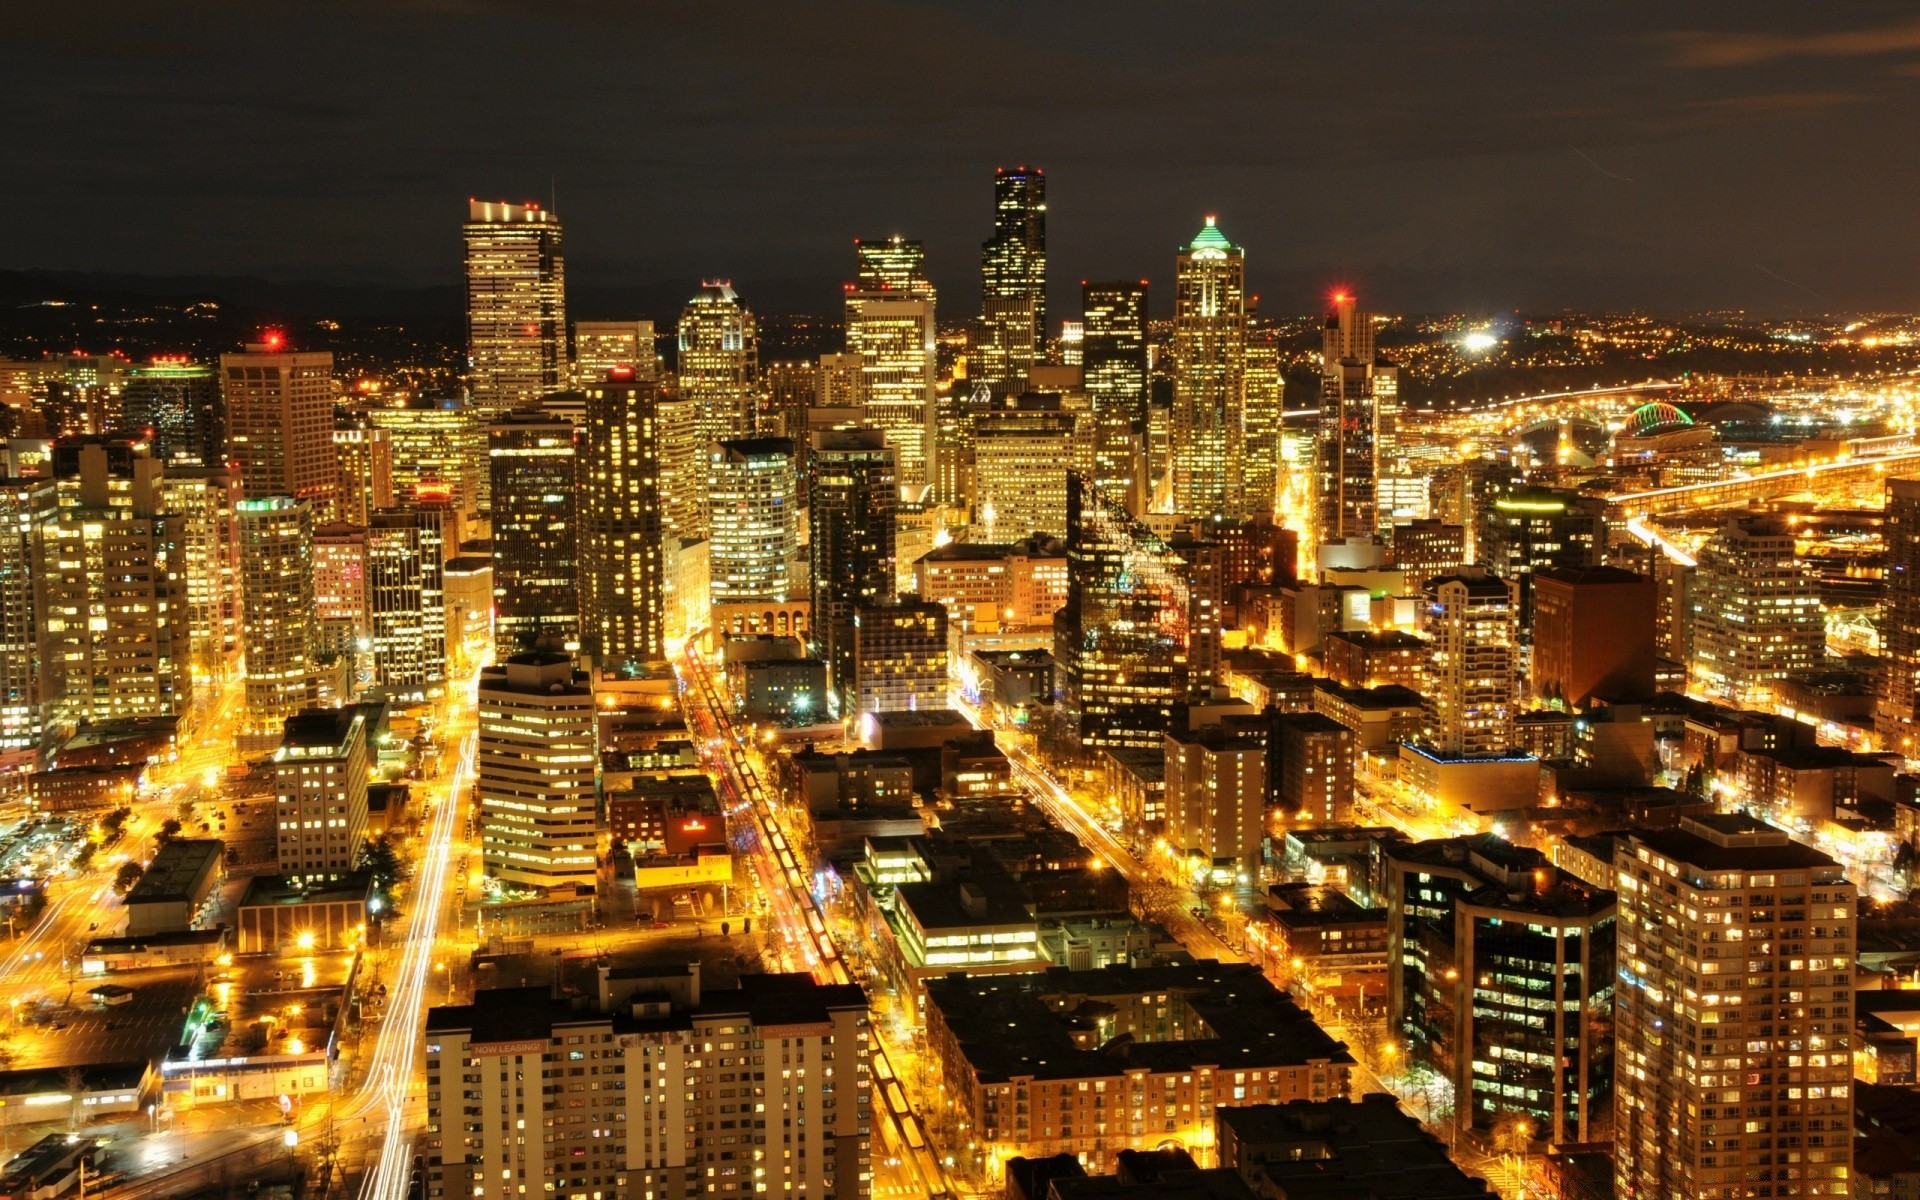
(128, 875)
(169, 829)
(378, 856)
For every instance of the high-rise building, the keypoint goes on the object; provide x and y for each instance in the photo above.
(1425, 548)
(342, 621)
(891, 264)
(850, 545)
(28, 675)
(1013, 262)
(1021, 457)
(207, 500)
(175, 405)
(682, 454)
(893, 333)
(900, 656)
(516, 303)
(1123, 640)
(439, 453)
(537, 756)
(1209, 363)
(1216, 796)
(1592, 635)
(502, 1066)
(276, 603)
(280, 423)
(1359, 422)
(756, 523)
(1733, 1017)
(1530, 528)
(365, 455)
(1263, 390)
(1114, 372)
(1468, 622)
(1898, 717)
(622, 572)
(1002, 345)
(1310, 762)
(718, 362)
(600, 346)
(118, 643)
(320, 792)
(789, 387)
(534, 461)
(842, 383)
(1756, 610)
(407, 600)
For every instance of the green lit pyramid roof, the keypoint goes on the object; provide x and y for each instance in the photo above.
(1210, 238)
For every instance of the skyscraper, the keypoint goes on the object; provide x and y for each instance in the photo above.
(1263, 387)
(890, 325)
(536, 760)
(364, 452)
(27, 679)
(406, 600)
(1898, 713)
(207, 500)
(1123, 638)
(1021, 457)
(1209, 361)
(1733, 1015)
(600, 346)
(891, 264)
(116, 601)
(756, 524)
(854, 497)
(1756, 610)
(1113, 352)
(534, 461)
(276, 594)
(1002, 346)
(1359, 415)
(718, 362)
(1468, 620)
(1013, 262)
(176, 405)
(320, 793)
(900, 656)
(439, 450)
(516, 303)
(280, 422)
(788, 389)
(622, 573)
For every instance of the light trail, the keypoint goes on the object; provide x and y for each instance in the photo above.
(390, 1071)
(1639, 528)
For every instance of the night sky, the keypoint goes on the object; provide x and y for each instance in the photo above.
(1437, 156)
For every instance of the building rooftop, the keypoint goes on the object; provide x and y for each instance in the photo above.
(1729, 841)
(1303, 904)
(176, 867)
(1482, 851)
(1390, 695)
(1328, 1149)
(1035, 1025)
(1587, 576)
(528, 1013)
(274, 889)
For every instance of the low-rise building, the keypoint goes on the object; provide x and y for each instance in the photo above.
(181, 877)
(1381, 718)
(1370, 658)
(665, 813)
(1339, 1149)
(268, 1032)
(1326, 942)
(278, 914)
(1477, 783)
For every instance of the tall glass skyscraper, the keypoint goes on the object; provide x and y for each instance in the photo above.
(719, 350)
(1113, 356)
(1359, 419)
(853, 499)
(622, 572)
(516, 303)
(1013, 262)
(534, 461)
(1209, 359)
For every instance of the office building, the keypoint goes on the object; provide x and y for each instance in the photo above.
(320, 793)
(207, 501)
(1898, 713)
(681, 452)
(718, 362)
(1733, 1021)
(537, 756)
(1467, 619)
(1358, 432)
(600, 346)
(1209, 359)
(1113, 359)
(756, 524)
(29, 680)
(1263, 388)
(1756, 611)
(1327, 1149)
(1592, 635)
(988, 587)
(1530, 529)
(534, 461)
(439, 453)
(891, 264)
(1370, 658)
(1001, 345)
(364, 453)
(893, 333)
(175, 405)
(1426, 548)
(850, 545)
(1029, 1066)
(516, 303)
(280, 423)
(1125, 640)
(277, 608)
(1216, 798)
(1021, 456)
(116, 622)
(622, 570)
(900, 656)
(342, 621)
(503, 1066)
(1013, 262)
(842, 385)
(788, 388)
(407, 601)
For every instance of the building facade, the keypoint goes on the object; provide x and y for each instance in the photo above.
(622, 570)
(320, 793)
(1209, 357)
(535, 461)
(538, 750)
(280, 423)
(516, 303)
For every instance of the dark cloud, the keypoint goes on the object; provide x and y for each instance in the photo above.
(1440, 156)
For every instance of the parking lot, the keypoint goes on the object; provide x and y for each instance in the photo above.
(58, 1030)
